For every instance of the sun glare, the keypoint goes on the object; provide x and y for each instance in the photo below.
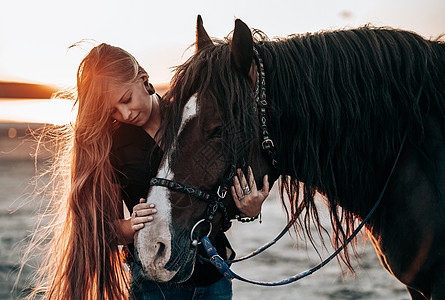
(50, 111)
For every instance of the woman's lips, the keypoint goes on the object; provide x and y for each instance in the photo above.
(134, 119)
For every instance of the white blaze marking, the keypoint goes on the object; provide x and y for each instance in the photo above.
(158, 194)
(158, 231)
(190, 111)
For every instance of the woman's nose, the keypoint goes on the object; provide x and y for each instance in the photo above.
(125, 113)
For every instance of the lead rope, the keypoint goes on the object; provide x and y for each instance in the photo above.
(224, 269)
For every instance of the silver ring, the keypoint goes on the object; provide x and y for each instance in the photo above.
(246, 190)
(193, 229)
(135, 214)
(241, 198)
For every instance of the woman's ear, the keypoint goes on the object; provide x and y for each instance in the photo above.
(148, 86)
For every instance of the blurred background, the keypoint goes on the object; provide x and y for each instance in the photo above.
(35, 62)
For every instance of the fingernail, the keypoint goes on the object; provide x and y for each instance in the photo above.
(154, 210)
(152, 205)
(150, 218)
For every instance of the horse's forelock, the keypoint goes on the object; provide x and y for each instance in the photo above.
(211, 76)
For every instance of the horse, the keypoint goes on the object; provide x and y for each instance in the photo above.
(337, 108)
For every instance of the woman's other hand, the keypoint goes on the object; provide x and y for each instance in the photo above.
(247, 197)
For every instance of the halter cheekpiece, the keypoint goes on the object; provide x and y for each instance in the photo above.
(261, 103)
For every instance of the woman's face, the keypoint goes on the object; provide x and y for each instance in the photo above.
(131, 103)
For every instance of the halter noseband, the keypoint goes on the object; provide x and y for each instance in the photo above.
(214, 199)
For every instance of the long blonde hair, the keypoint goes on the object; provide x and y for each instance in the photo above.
(83, 260)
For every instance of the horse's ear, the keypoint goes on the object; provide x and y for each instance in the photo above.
(202, 38)
(242, 47)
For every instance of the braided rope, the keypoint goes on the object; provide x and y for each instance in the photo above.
(222, 266)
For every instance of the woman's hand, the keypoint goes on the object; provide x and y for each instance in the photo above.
(142, 213)
(247, 197)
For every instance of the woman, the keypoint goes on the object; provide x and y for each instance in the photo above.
(113, 154)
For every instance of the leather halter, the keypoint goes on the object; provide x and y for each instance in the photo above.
(215, 199)
(268, 146)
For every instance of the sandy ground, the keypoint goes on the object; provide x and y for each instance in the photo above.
(17, 218)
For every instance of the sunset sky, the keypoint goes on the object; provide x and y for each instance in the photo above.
(35, 35)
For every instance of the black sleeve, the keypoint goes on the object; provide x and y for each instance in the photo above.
(136, 158)
(131, 194)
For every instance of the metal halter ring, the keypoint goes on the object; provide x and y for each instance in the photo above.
(195, 242)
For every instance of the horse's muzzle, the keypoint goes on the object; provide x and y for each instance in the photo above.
(153, 250)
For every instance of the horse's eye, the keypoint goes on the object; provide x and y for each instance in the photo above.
(215, 134)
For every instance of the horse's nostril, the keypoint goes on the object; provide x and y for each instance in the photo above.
(161, 250)
(160, 259)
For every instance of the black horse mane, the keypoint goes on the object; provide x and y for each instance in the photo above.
(340, 104)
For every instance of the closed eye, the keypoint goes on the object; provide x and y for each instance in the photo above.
(215, 134)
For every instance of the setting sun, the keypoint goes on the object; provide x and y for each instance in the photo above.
(52, 111)
(41, 53)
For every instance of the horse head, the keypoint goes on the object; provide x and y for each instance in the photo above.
(210, 124)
